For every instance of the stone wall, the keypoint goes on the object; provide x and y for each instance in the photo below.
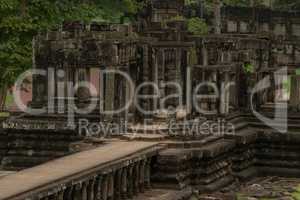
(263, 21)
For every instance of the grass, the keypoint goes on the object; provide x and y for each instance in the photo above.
(4, 114)
(9, 100)
(296, 194)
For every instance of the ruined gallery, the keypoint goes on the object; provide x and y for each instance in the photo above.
(152, 110)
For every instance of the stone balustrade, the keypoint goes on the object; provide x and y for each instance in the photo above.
(113, 172)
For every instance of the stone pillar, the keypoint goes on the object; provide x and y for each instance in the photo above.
(178, 66)
(77, 194)
(111, 185)
(204, 55)
(224, 103)
(145, 75)
(142, 177)
(51, 90)
(136, 178)
(109, 94)
(118, 184)
(217, 14)
(45, 198)
(68, 194)
(130, 182)
(104, 188)
(101, 92)
(147, 174)
(295, 92)
(60, 90)
(91, 190)
(98, 188)
(84, 191)
(128, 94)
(124, 184)
(60, 195)
(39, 86)
(156, 73)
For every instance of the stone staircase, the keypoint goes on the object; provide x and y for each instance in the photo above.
(204, 164)
(213, 162)
(261, 150)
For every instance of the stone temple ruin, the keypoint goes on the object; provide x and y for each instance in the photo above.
(159, 50)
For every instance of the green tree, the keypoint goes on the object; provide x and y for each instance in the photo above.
(197, 26)
(20, 20)
(287, 5)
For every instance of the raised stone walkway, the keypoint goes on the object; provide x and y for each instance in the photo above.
(34, 179)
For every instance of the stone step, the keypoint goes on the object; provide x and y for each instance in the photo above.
(243, 136)
(17, 163)
(163, 194)
(218, 148)
(220, 183)
(196, 143)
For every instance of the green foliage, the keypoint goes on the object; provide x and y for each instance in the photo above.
(4, 114)
(249, 68)
(20, 20)
(178, 18)
(197, 26)
(287, 5)
(237, 2)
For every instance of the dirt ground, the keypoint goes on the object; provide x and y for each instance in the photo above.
(269, 188)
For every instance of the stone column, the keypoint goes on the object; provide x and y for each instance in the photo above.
(189, 90)
(83, 94)
(101, 91)
(39, 86)
(178, 66)
(68, 194)
(128, 95)
(145, 76)
(118, 184)
(104, 188)
(90, 190)
(142, 177)
(130, 182)
(156, 73)
(136, 178)
(109, 94)
(60, 90)
(161, 67)
(295, 92)
(77, 193)
(111, 185)
(124, 184)
(51, 90)
(60, 195)
(224, 103)
(84, 191)
(217, 15)
(98, 188)
(45, 198)
(204, 55)
(147, 174)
